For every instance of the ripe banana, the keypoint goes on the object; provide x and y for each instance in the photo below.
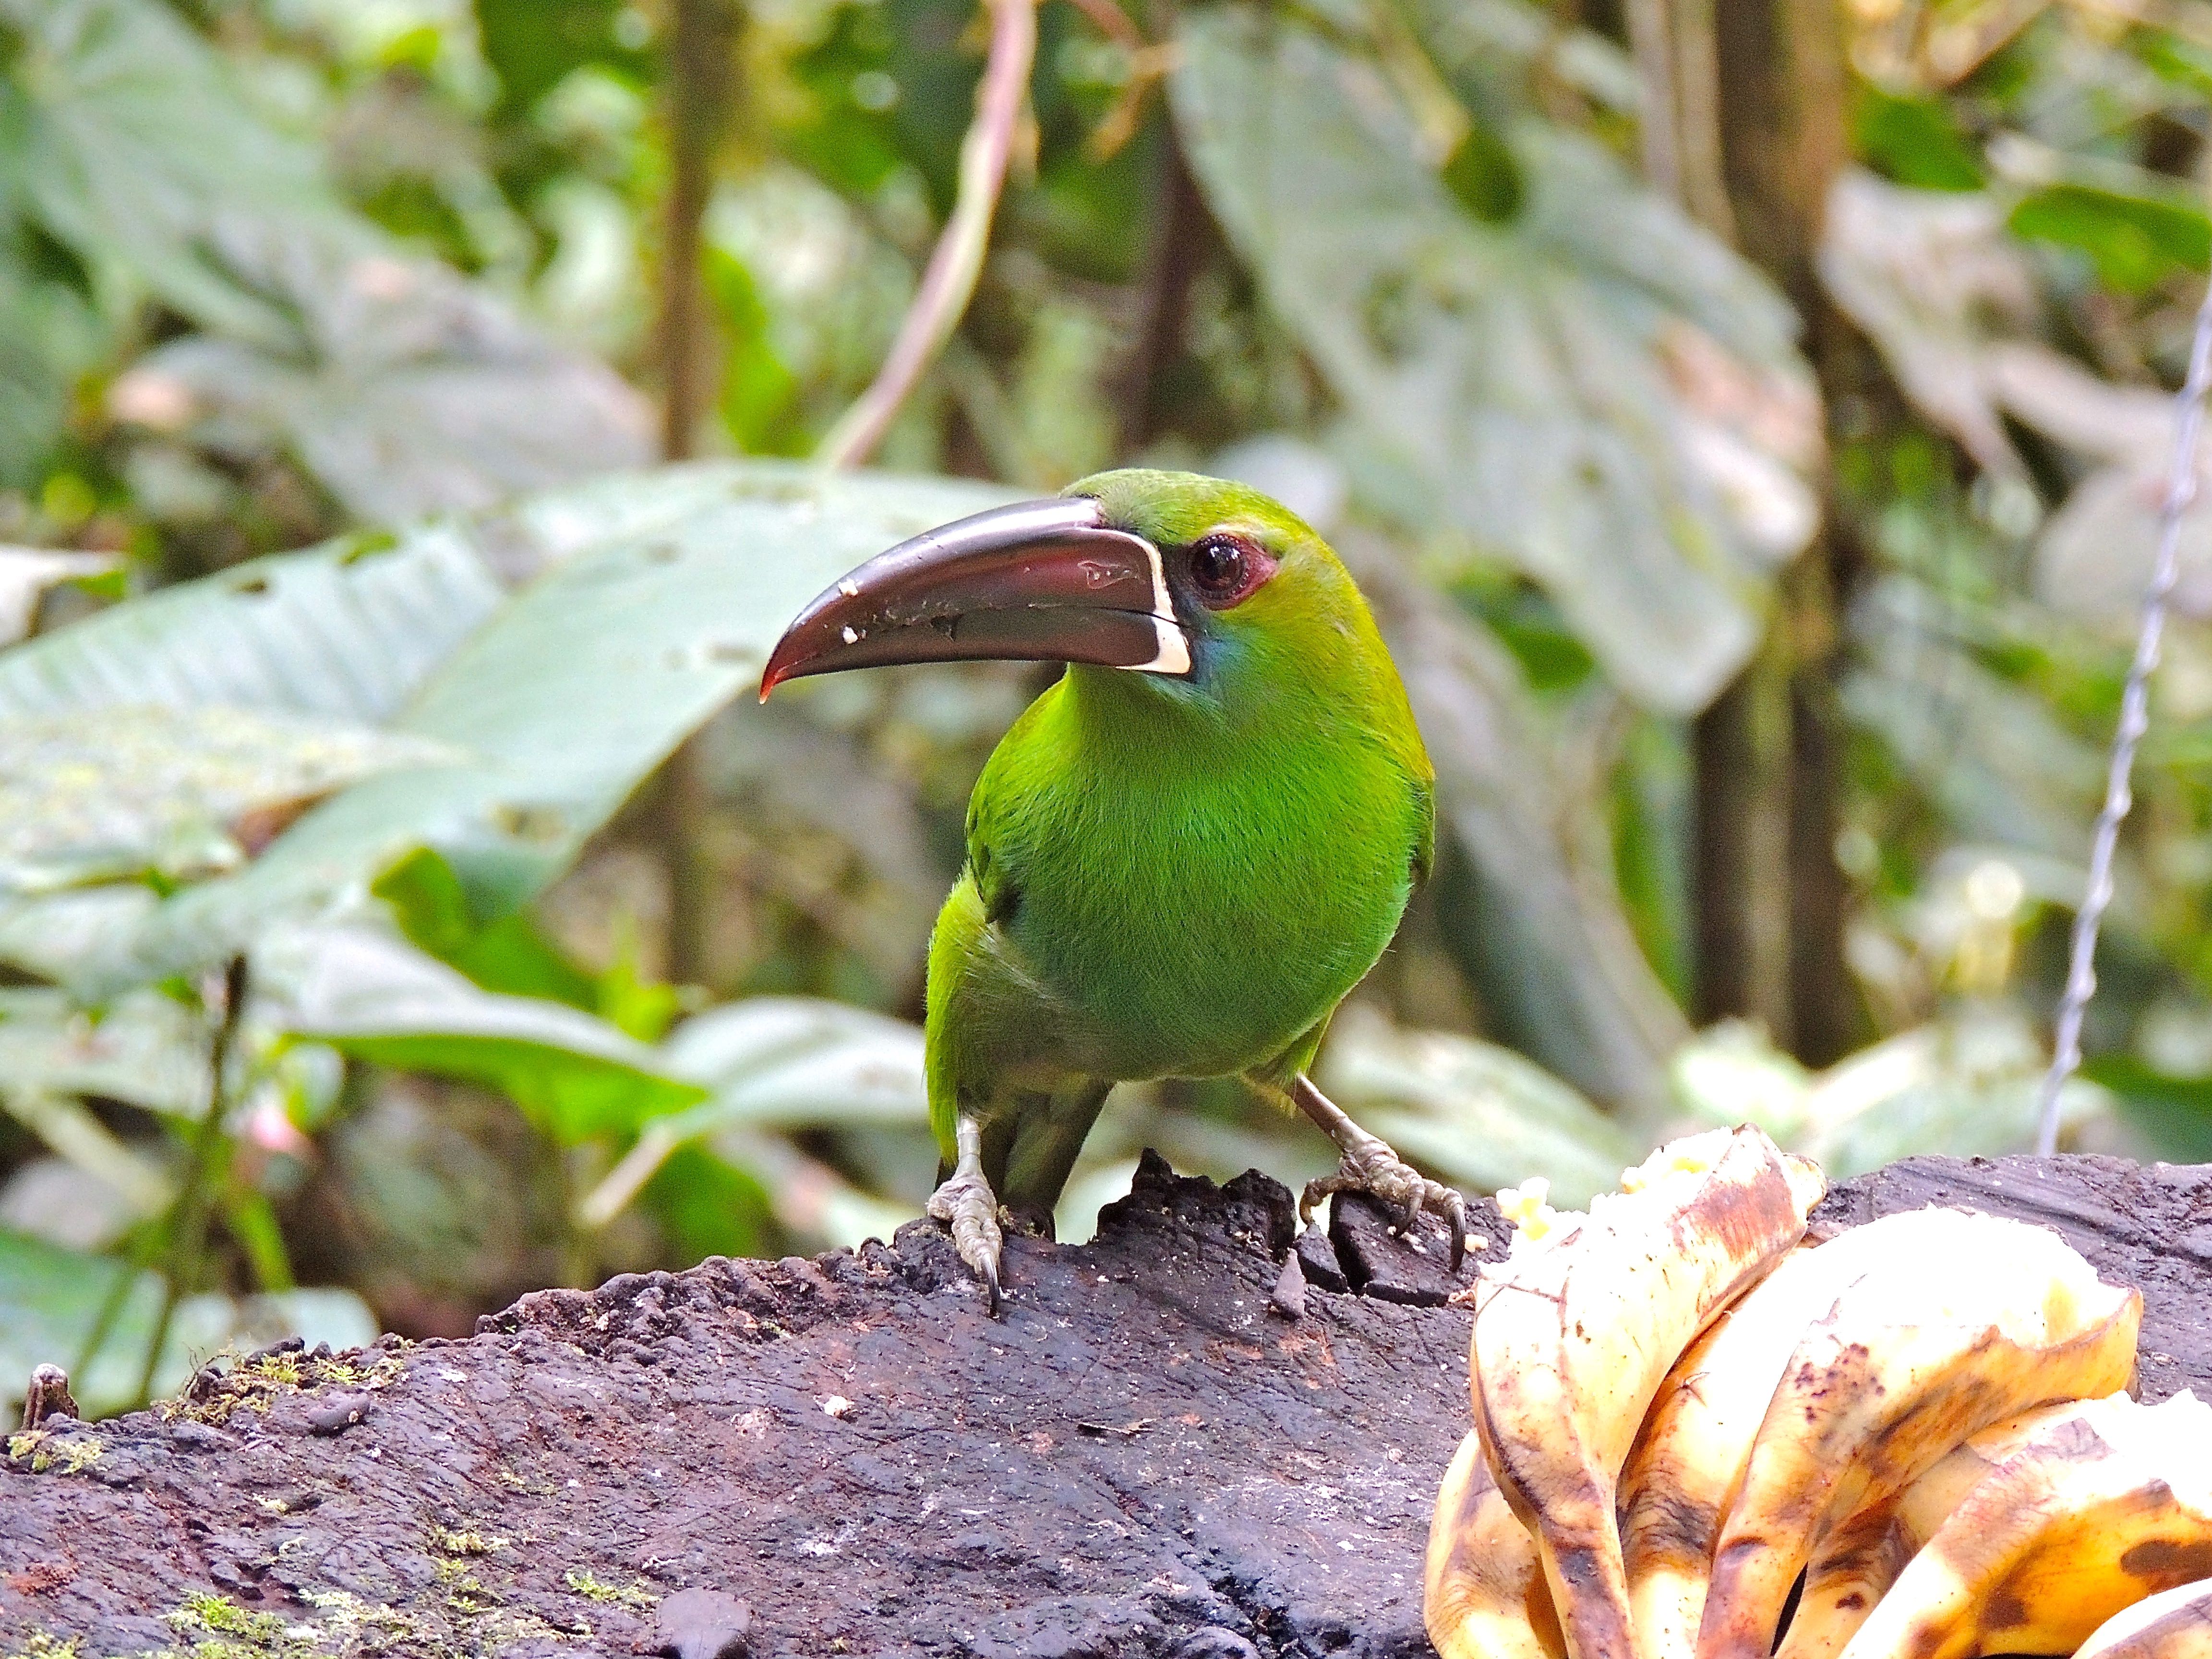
(1484, 1595)
(1857, 1559)
(2176, 1624)
(2109, 1505)
(1688, 1464)
(1575, 1329)
(1917, 1354)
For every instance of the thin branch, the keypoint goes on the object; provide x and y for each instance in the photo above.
(956, 261)
(2135, 718)
(1651, 43)
(189, 1238)
(1110, 20)
(701, 88)
(1148, 67)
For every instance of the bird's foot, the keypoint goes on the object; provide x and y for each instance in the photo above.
(967, 1206)
(1370, 1166)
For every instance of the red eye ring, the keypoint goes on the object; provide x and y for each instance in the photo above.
(1225, 569)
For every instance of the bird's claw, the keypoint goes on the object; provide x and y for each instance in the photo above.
(1377, 1170)
(967, 1206)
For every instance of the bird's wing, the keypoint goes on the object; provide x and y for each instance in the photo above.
(1424, 843)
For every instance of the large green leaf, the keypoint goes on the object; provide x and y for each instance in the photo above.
(347, 631)
(1554, 384)
(2137, 240)
(2170, 1116)
(784, 1062)
(658, 599)
(376, 997)
(773, 1063)
(105, 794)
(402, 387)
(1965, 1086)
(147, 1050)
(132, 146)
(408, 390)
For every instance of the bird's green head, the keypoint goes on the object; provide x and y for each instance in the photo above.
(1192, 579)
(1255, 590)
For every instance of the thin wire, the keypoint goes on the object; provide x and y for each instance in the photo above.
(2135, 717)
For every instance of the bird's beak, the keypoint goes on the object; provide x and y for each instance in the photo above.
(1040, 581)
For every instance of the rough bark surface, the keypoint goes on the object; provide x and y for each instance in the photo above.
(1142, 1458)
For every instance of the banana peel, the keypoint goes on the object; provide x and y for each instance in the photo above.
(1575, 1331)
(2175, 1624)
(1483, 1595)
(1916, 1356)
(2109, 1505)
(1688, 1464)
(1857, 1559)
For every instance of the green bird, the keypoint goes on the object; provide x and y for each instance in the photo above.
(1183, 855)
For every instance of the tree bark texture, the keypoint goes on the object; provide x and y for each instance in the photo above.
(1141, 1460)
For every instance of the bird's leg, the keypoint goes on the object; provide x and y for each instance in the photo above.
(1370, 1166)
(966, 1204)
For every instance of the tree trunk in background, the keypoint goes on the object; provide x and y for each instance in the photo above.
(1784, 141)
(1774, 946)
(1725, 884)
(700, 91)
(1183, 236)
(1826, 1016)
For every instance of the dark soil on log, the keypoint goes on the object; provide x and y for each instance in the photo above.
(1145, 1457)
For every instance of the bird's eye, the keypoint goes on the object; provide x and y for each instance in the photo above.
(1225, 569)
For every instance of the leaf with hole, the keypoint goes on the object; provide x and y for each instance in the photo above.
(646, 603)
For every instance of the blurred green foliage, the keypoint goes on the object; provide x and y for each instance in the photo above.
(323, 651)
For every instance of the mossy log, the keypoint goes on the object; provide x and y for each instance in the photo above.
(1145, 1457)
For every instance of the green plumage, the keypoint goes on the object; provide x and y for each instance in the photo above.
(1172, 876)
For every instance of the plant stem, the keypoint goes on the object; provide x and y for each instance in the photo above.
(702, 91)
(194, 1202)
(702, 87)
(948, 280)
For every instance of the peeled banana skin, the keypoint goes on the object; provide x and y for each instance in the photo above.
(2176, 1624)
(1573, 1337)
(1483, 1591)
(1688, 1465)
(2111, 1504)
(1675, 1487)
(1858, 1558)
(1869, 1402)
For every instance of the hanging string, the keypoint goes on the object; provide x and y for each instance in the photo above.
(2135, 717)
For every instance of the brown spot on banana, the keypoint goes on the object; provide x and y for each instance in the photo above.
(2167, 1562)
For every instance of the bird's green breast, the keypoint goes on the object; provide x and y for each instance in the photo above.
(1195, 888)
